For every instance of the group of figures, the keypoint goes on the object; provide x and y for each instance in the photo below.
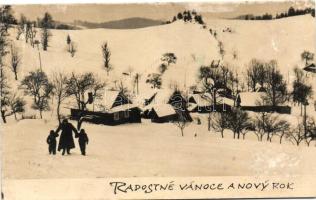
(66, 140)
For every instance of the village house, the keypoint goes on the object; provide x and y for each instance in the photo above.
(116, 109)
(253, 101)
(167, 106)
(204, 103)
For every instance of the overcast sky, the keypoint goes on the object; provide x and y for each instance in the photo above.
(161, 11)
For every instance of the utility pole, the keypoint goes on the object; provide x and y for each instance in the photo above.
(305, 119)
(39, 55)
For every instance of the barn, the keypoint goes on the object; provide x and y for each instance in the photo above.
(253, 101)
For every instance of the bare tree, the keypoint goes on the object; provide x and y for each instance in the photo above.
(212, 76)
(13, 104)
(296, 135)
(311, 131)
(59, 81)
(162, 68)
(221, 49)
(4, 85)
(256, 73)
(206, 76)
(30, 32)
(15, 61)
(5, 94)
(307, 56)
(122, 88)
(68, 40)
(45, 38)
(181, 123)
(6, 17)
(212, 79)
(169, 58)
(276, 86)
(37, 85)
(269, 124)
(17, 105)
(46, 23)
(259, 125)
(238, 122)
(136, 81)
(72, 49)
(154, 80)
(273, 125)
(283, 135)
(301, 92)
(220, 122)
(106, 57)
(21, 26)
(79, 85)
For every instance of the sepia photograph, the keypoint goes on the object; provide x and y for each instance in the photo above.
(95, 92)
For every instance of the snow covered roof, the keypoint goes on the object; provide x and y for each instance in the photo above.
(143, 98)
(123, 107)
(310, 68)
(251, 98)
(164, 110)
(114, 96)
(201, 99)
(109, 98)
(225, 100)
(191, 106)
(163, 96)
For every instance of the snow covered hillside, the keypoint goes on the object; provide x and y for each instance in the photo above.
(138, 49)
(150, 149)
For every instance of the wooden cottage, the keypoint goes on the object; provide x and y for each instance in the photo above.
(116, 109)
(167, 106)
(163, 113)
(201, 103)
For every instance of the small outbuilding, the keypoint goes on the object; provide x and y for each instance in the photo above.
(310, 68)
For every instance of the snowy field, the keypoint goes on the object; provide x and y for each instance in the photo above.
(148, 149)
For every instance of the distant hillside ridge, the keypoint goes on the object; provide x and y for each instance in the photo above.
(129, 23)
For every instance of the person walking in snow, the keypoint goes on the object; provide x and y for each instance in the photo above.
(83, 141)
(51, 141)
(66, 140)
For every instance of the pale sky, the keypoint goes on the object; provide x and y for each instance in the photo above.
(161, 11)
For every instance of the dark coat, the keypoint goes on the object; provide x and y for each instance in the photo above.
(83, 138)
(66, 140)
(51, 139)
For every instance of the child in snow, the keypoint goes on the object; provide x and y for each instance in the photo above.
(51, 141)
(83, 140)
